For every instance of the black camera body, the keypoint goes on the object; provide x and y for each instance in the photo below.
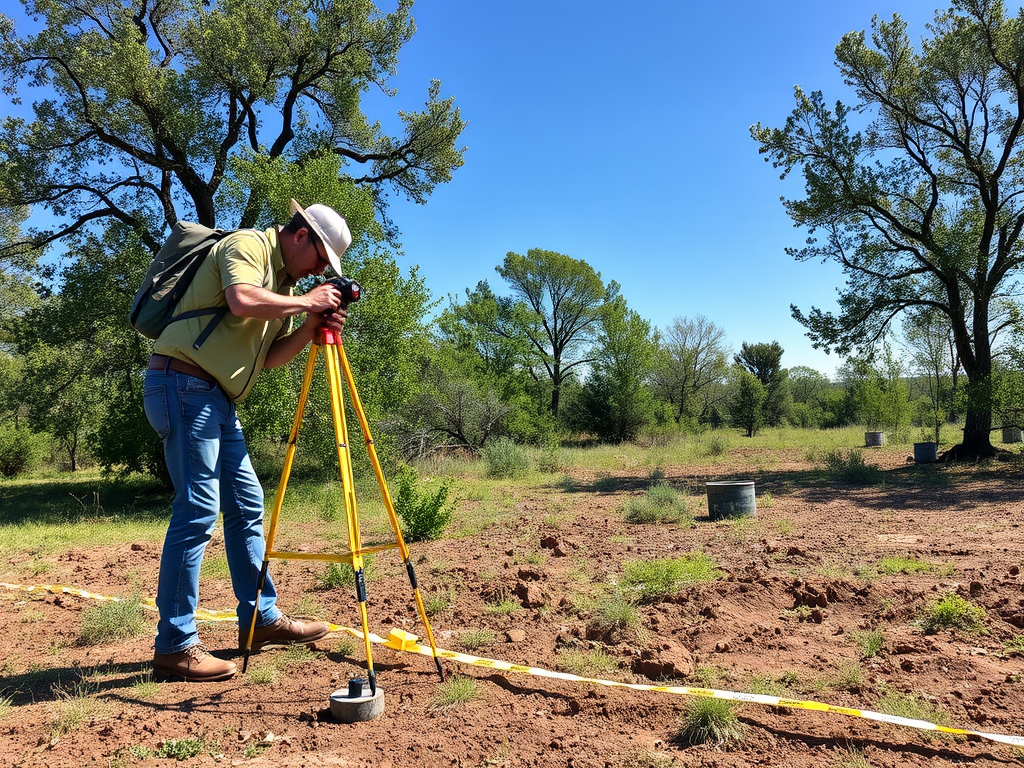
(348, 287)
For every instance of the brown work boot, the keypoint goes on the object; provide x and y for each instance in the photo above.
(284, 631)
(194, 665)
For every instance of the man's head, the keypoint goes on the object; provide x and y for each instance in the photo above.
(317, 231)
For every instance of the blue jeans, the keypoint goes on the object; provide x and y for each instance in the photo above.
(211, 471)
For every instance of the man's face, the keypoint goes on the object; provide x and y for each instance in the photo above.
(308, 256)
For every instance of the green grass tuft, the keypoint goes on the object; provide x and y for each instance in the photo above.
(114, 620)
(651, 581)
(710, 721)
(952, 612)
(454, 692)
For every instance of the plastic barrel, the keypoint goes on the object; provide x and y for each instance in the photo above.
(731, 499)
(1011, 435)
(925, 453)
(873, 439)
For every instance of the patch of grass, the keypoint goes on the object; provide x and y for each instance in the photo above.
(605, 483)
(766, 501)
(765, 685)
(850, 467)
(651, 581)
(6, 705)
(338, 575)
(952, 612)
(890, 566)
(438, 602)
(660, 504)
(344, 647)
(711, 676)
(551, 460)
(833, 571)
(848, 675)
(31, 616)
(1014, 646)
(502, 603)
(870, 643)
(710, 721)
(472, 639)
(911, 705)
(851, 757)
(309, 607)
(456, 691)
(505, 460)
(145, 687)
(614, 614)
(113, 620)
(265, 673)
(73, 706)
(785, 526)
(185, 749)
(592, 662)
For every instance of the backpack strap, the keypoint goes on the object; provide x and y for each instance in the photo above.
(218, 315)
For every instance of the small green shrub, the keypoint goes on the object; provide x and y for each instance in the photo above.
(614, 614)
(890, 566)
(850, 467)
(185, 749)
(654, 580)
(710, 721)
(952, 612)
(505, 460)
(592, 663)
(20, 450)
(472, 639)
(454, 692)
(870, 643)
(551, 460)
(335, 575)
(113, 620)
(660, 504)
(913, 706)
(422, 507)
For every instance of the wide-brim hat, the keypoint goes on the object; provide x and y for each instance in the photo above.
(330, 227)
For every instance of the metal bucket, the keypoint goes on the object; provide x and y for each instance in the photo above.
(731, 499)
(874, 439)
(1011, 435)
(925, 453)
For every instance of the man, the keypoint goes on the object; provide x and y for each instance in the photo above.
(190, 397)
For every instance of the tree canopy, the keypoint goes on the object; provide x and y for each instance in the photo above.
(217, 110)
(916, 189)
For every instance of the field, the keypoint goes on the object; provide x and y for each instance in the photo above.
(883, 586)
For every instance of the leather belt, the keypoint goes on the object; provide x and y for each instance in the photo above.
(165, 363)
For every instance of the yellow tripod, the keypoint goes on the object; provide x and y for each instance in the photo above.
(337, 363)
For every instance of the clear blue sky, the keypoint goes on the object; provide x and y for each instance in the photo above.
(619, 134)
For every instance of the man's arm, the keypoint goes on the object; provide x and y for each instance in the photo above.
(255, 301)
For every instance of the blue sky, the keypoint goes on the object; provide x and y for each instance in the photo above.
(619, 134)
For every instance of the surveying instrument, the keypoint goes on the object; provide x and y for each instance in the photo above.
(329, 340)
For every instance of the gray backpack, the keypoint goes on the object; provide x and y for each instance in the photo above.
(169, 276)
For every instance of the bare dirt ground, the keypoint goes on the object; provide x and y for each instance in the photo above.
(788, 610)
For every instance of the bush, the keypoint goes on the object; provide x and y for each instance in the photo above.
(850, 467)
(505, 459)
(20, 450)
(423, 510)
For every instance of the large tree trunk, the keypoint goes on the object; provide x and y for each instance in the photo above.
(977, 442)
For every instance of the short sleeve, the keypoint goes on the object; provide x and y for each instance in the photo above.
(244, 260)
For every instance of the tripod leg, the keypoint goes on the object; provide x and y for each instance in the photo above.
(351, 509)
(389, 505)
(279, 498)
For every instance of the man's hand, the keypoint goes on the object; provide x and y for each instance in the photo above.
(332, 318)
(324, 298)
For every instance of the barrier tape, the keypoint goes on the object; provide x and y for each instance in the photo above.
(403, 641)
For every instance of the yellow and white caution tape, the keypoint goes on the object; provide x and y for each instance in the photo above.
(400, 640)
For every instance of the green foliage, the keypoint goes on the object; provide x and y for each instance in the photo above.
(764, 361)
(651, 581)
(592, 663)
(709, 721)
(952, 612)
(870, 643)
(661, 503)
(472, 639)
(422, 507)
(557, 309)
(850, 467)
(690, 364)
(185, 749)
(454, 692)
(113, 620)
(505, 460)
(893, 565)
(747, 407)
(20, 449)
(342, 575)
(911, 705)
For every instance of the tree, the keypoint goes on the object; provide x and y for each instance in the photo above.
(558, 309)
(928, 338)
(748, 403)
(765, 362)
(217, 109)
(923, 206)
(692, 359)
(616, 402)
(808, 388)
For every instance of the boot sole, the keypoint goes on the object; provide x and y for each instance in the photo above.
(169, 676)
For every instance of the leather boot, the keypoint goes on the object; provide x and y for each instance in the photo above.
(284, 631)
(194, 664)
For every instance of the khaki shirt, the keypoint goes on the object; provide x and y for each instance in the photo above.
(235, 352)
